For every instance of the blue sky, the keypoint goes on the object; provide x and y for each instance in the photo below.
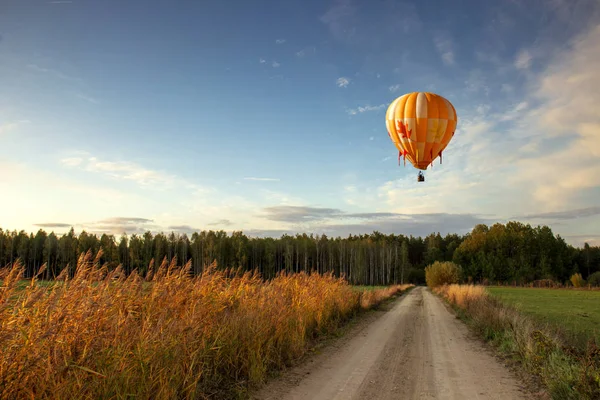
(268, 116)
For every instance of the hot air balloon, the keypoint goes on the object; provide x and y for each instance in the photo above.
(421, 124)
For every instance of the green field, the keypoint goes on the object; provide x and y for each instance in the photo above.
(574, 313)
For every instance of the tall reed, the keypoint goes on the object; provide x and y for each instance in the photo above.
(169, 335)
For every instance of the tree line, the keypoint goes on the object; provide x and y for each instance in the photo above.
(512, 252)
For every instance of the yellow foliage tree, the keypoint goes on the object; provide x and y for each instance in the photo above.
(442, 273)
(577, 280)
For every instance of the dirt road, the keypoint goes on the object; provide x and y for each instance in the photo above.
(416, 350)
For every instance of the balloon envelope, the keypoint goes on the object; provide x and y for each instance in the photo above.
(421, 124)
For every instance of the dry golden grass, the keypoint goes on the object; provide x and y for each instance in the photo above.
(102, 334)
(370, 298)
(461, 295)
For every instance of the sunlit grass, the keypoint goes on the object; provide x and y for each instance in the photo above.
(170, 335)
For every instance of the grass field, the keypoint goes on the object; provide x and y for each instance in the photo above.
(575, 313)
(167, 335)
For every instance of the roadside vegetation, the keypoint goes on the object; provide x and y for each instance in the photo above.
(568, 369)
(442, 273)
(168, 334)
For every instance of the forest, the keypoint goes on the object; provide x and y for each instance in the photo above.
(514, 253)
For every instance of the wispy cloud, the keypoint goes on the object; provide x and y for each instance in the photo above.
(11, 126)
(569, 214)
(58, 74)
(367, 108)
(477, 82)
(339, 222)
(304, 213)
(339, 17)
(120, 225)
(300, 214)
(566, 95)
(507, 88)
(515, 112)
(221, 222)
(133, 172)
(343, 82)
(523, 59)
(87, 98)
(275, 64)
(279, 41)
(126, 170)
(71, 161)
(183, 229)
(126, 220)
(444, 46)
(114, 226)
(395, 88)
(306, 51)
(347, 24)
(49, 225)
(262, 60)
(253, 178)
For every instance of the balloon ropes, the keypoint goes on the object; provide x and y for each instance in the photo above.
(421, 125)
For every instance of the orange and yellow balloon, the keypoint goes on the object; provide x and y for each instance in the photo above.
(421, 125)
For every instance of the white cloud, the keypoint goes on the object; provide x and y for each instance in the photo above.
(262, 60)
(395, 88)
(477, 82)
(483, 108)
(128, 171)
(280, 41)
(87, 98)
(339, 17)
(445, 47)
(366, 108)
(276, 64)
(306, 51)
(343, 82)
(523, 60)
(514, 113)
(568, 92)
(11, 126)
(72, 161)
(58, 74)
